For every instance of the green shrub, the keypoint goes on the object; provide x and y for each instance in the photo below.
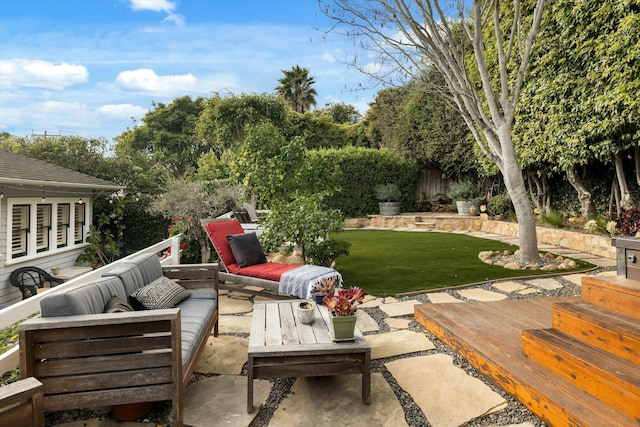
(463, 190)
(554, 218)
(360, 171)
(500, 205)
(326, 252)
(388, 193)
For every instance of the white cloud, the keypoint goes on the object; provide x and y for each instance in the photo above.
(153, 5)
(36, 73)
(145, 80)
(327, 57)
(122, 111)
(166, 6)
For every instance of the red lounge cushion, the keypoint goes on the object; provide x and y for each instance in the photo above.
(268, 270)
(218, 232)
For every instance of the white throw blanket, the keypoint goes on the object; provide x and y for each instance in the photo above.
(302, 280)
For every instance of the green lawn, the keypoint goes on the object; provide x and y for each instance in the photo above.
(385, 262)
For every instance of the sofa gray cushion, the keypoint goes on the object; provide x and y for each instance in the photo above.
(161, 293)
(86, 299)
(137, 272)
(195, 312)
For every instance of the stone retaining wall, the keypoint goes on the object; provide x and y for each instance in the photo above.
(583, 242)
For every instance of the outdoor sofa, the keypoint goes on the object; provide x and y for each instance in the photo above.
(86, 357)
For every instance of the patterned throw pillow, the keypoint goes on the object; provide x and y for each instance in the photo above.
(161, 293)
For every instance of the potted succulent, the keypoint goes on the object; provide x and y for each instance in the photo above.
(342, 308)
(466, 195)
(389, 196)
(324, 288)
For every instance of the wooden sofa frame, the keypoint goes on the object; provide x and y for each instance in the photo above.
(98, 360)
(21, 404)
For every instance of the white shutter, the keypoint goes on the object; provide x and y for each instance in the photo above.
(19, 230)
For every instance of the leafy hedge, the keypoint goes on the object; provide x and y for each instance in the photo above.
(360, 171)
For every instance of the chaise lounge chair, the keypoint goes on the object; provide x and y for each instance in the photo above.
(242, 261)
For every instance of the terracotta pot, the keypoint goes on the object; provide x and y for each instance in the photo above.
(131, 411)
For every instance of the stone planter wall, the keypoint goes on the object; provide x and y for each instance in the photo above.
(583, 242)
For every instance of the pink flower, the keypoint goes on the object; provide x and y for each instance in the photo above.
(345, 301)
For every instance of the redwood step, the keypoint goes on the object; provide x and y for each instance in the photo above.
(608, 378)
(613, 293)
(607, 330)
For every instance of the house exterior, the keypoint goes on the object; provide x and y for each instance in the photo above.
(45, 214)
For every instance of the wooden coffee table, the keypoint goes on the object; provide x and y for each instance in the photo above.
(281, 346)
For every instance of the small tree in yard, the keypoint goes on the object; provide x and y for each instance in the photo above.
(191, 201)
(303, 221)
(408, 36)
(278, 173)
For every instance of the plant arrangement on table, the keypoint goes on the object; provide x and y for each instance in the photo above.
(342, 307)
(324, 288)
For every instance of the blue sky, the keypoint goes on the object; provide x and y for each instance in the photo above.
(86, 67)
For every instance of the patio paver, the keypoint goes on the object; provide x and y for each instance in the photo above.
(366, 323)
(336, 400)
(396, 324)
(221, 400)
(395, 343)
(224, 354)
(395, 309)
(235, 324)
(439, 379)
(442, 298)
(230, 305)
(479, 294)
(509, 286)
(548, 284)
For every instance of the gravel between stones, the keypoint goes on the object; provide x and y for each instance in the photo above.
(515, 413)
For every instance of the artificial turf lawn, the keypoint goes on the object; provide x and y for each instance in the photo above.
(384, 262)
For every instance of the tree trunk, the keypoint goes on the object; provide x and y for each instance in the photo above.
(626, 201)
(541, 196)
(636, 152)
(587, 208)
(514, 181)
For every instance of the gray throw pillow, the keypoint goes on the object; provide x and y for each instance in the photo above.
(117, 305)
(246, 249)
(161, 293)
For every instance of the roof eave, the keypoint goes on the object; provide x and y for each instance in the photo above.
(18, 181)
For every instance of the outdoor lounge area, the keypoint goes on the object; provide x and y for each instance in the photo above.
(416, 375)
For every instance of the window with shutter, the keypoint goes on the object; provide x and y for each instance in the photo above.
(78, 226)
(43, 227)
(19, 230)
(62, 233)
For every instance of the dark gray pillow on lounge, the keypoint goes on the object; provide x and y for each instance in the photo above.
(161, 293)
(246, 249)
(117, 305)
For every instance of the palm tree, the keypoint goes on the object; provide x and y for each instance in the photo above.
(296, 88)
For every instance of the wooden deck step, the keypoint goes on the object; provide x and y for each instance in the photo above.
(488, 335)
(607, 330)
(608, 378)
(613, 293)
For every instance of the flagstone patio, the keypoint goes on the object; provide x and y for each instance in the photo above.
(405, 362)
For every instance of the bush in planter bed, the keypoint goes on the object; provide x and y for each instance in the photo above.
(500, 205)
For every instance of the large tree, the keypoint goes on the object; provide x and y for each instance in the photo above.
(168, 136)
(411, 35)
(579, 104)
(297, 89)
